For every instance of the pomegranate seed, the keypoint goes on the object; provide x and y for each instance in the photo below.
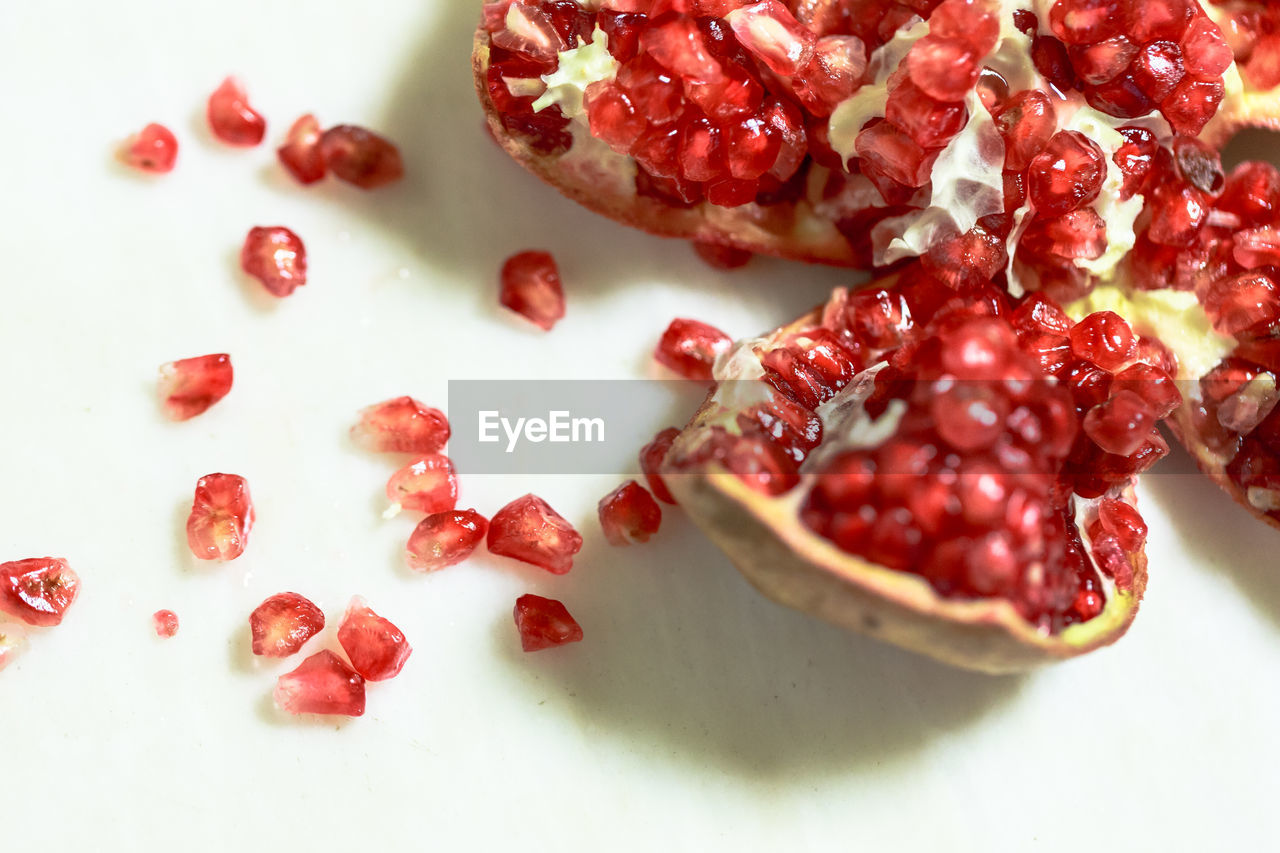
(679, 46)
(529, 530)
(1124, 522)
(523, 28)
(1192, 104)
(1102, 62)
(613, 116)
(1256, 247)
(1122, 424)
(929, 122)
(282, 623)
(1157, 19)
(221, 517)
(1067, 175)
(276, 257)
(1104, 339)
(944, 69)
(38, 590)
(360, 157)
(544, 623)
(1158, 69)
(1252, 193)
(690, 348)
(401, 425)
(12, 638)
(231, 118)
(722, 257)
(770, 32)
(165, 622)
(531, 287)
(1084, 21)
(322, 684)
(189, 386)
(1088, 604)
(1027, 122)
(1113, 560)
(1151, 384)
(445, 539)
(1134, 158)
(377, 649)
(154, 149)
(629, 514)
(651, 457)
(427, 484)
(301, 155)
(889, 151)
(1205, 52)
(1243, 303)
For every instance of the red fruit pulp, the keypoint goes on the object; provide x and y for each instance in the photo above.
(377, 648)
(427, 484)
(38, 590)
(301, 154)
(401, 425)
(221, 517)
(276, 257)
(154, 149)
(445, 539)
(360, 157)
(690, 347)
(189, 386)
(544, 623)
(531, 287)
(165, 623)
(629, 514)
(529, 530)
(231, 118)
(322, 684)
(651, 456)
(282, 623)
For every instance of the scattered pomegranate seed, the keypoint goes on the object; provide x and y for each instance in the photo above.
(544, 623)
(690, 348)
(282, 623)
(651, 456)
(276, 257)
(221, 517)
(165, 622)
(360, 157)
(427, 484)
(12, 638)
(322, 684)
(401, 425)
(154, 149)
(528, 529)
(301, 155)
(629, 514)
(445, 539)
(531, 287)
(377, 648)
(189, 386)
(722, 257)
(231, 118)
(38, 590)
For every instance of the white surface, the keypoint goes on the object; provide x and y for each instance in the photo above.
(695, 716)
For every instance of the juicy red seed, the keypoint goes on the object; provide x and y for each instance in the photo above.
(427, 484)
(376, 648)
(690, 348)
(189, 386)
(276, 257)
(282, 623)
(401, 425)
(1102, 62)
(231, 118)
(613, 116)
(678, 45)
(929, 122)
(322, 684)
(1247, 302)
(531, 287)
(544, 623)
(1252, 192)
(1206, 53)
(301, 155)
(722, 257)
(887, 149)
(1122, 424)
(1067, 175)
(1256, 247)
(1124, 522)
(1192, 104)
(970, 417)
(1084, 21)
(360, 157)
(1158, 69)
(629, 514)
(1113, 560)
(944, 69)
(445, 539)
(651, 458)
(1105, 339)
(770, 32)
(165, 623)
(154, 149)
(1135, 158)
(221, 517)
(38, 590)
(523, 28)
(1151, 384)
(1027, 122)
(529, 530)
(1157, 19)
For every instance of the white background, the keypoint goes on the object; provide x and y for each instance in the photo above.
(695, 715)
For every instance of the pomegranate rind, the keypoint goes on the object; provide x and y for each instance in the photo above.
(783, 230)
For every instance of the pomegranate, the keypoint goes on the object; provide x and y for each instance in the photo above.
(377, 649)
(544, 623)
(360, 157)
(530, 286)
(427, 484)
(690, 347)
(943, 497)
(301, 155)
(276, 257)
(154, 149)
(445, 539)
(190, 386)
(221, 517)
(165, 623)
(629, 514)
(38, 590)
(231, 118)
(281, 624)
(529, 530)
(322, 684)
(401, 425)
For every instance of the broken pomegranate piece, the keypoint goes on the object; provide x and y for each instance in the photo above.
(529, 530)
(690, 348)
(165, 623)
(401, 425)
(221, 517)
(154, 149)
(360, 157)
(189, 386)
(544, 623)
(445, 539)
(231, 118)
(38, 590)
(282, 623)
(301, 154)
(629, 514)
(276, 257)
(322, 684)
(427, 484)
(531, 287)
(377, 648)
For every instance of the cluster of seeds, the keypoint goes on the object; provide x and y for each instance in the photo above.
(1253, 31)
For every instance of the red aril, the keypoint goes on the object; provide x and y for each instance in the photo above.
(376, 648)
(322, 684)
(231, 118)
(281, 624)
(629, 514)
(531, 287)
(544, 623)
(1104, 339)
(1067, 174)
(360, 157)
(721, 257)
(770, 32)
(651, 457)
(445, 539)
(154, 149)
(189, 386)
(1122, 424)
(301, 154)
(529, 530)
(427, 484)
(221, 517)
(275, 256)
(401, 425)
(38, 590)
(690, 348)
(165, 623)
